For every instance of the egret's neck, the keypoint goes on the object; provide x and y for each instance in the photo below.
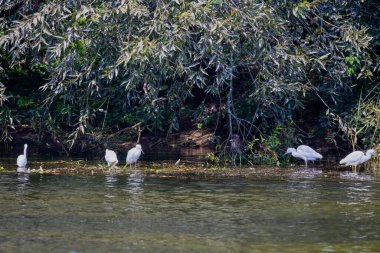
(25, 150)
(366, 157)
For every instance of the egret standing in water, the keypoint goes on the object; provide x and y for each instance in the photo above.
(111, 157)
(357, 157)
(134, 154)
(305, 153)
(22, 161)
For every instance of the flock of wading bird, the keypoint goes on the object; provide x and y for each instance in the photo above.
(306, 153)
(111, 158)
(303, 152)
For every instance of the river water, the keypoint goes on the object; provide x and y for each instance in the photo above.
(130, 213)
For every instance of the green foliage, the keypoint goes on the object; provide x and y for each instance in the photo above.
(369, 124)
(6, 122)
(353, 65)
(265, 150)
(107, 65)
(39, 69)
(213, 158)
(23, 102)
(361, 126)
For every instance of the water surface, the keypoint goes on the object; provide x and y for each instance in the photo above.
(111, 213)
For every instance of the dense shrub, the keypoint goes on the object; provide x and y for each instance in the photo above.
(242, 67)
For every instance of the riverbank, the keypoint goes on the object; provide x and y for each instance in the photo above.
(171, 169)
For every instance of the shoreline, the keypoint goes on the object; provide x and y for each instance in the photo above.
(169, 169)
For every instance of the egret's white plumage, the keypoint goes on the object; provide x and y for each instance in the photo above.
(21, 159)
(111, 157)
(357, 157)
(305, 153)
(134, 154)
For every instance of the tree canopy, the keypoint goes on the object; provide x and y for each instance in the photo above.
(74, 68)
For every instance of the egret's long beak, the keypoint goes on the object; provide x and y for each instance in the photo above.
(142, 151)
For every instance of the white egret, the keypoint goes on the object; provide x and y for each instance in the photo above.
(134, 154)
(357, 157)
(305, 153)
(111, 157)
(22, 161)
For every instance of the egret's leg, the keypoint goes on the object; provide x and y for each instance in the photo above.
(240, 159)
(305, 163)
(112, 166)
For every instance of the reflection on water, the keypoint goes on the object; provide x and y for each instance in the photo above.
(115, 213)
(111, 180)
(135, 182)
(23, 180)
(305, 173)
(347, 175)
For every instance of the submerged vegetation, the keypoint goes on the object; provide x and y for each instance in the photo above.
(259, 75)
